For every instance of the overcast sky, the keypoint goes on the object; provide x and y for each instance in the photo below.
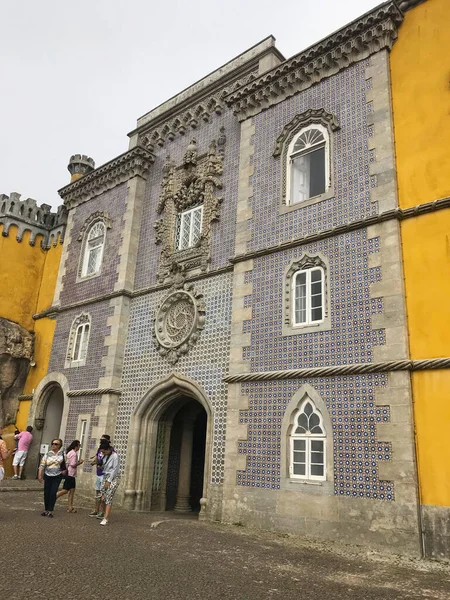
(75, 76)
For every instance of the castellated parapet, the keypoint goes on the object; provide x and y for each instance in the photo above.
(28, 216)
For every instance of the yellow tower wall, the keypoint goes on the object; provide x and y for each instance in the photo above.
(421, 101)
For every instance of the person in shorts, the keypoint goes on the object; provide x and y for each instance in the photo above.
(4, 454)
(24, 442)
(72, 463)
(97, 460)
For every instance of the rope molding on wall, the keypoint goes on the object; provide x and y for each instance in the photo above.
(93, 392)
(384, 367)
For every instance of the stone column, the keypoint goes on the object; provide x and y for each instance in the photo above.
(184, 477)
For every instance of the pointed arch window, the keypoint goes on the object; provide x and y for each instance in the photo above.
(93, 250)
(308, 444)
(308, 167)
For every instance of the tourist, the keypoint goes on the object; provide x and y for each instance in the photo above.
(96, 460)
(4, 454)
(110, 464)
(50, 472)
(72, 463)
(24, 442)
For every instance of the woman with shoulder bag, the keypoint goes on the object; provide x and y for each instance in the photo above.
(110, 477)
(51, 470)
(70, 479)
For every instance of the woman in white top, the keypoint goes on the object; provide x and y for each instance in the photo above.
(72, 463)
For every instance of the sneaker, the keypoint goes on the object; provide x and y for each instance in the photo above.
(50, 515)
(104, 522)
(44, 514)
(15, 477)
(94, 513)
(100, 515)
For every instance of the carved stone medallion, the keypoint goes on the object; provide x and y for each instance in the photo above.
(179, 319)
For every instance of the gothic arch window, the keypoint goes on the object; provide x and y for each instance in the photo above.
(308, 164)
(93, 248)
(308, 444)
(306, 295)
(77, 347)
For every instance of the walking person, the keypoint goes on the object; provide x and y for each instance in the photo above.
(51, 469)
(72, 463)
(97, 460)
(24, 440)
(110, 477)
(4, 454)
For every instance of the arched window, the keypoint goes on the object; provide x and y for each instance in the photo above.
(308, 444)
(308, 307)
(308, 164)
(93, 250)
(77, 346)
(189, 228)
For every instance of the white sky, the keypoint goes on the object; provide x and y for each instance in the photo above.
(75, 76)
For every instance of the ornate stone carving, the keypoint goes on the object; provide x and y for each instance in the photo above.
(179, 318)
(358, 40)
(16, 352)
(96, 216)
(135, 162)
(191, 184)
(191, 118)
(319, 115)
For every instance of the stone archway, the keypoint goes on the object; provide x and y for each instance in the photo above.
(169, 449)
(48, 416)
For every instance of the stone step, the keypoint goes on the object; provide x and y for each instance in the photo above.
(17, 485)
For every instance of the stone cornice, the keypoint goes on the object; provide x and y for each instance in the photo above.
(135, 162)
(374, 31)
(340, 370)
(397, 213)
(53, 311)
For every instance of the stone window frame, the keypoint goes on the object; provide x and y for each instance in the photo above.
(308, 437)
(286, 140)
(81, 319)
(83, 237)
(304, 262)
(311, 486)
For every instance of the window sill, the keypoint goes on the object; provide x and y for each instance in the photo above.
(324, 325)
(81, 278)
(305, 482)
(285, 208)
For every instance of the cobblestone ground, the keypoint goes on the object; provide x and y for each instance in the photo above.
(141, 556)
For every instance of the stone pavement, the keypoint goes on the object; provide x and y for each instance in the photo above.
(157, 555)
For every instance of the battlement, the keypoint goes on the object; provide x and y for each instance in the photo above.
(27, 215)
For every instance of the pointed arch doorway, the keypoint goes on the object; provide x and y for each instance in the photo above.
(169, 448)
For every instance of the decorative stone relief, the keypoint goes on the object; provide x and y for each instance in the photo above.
(96, 216)
(179, 318)
(191, 184)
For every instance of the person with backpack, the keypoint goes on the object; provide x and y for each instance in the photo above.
(51, 470)
(70, 479)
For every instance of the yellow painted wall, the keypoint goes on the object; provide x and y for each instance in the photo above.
(21, 271)
(420, 74)
(27, 283)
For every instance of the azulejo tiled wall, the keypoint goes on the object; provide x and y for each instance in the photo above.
(354, 415)
(206, 362)
(343, 95)
(86, 377)
(111, 202)
(222, 239)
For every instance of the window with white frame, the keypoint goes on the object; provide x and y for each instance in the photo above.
(308, 306)
(308, 444)
(93, 250)
(308, 167)
(81, 342)
(189, 228)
